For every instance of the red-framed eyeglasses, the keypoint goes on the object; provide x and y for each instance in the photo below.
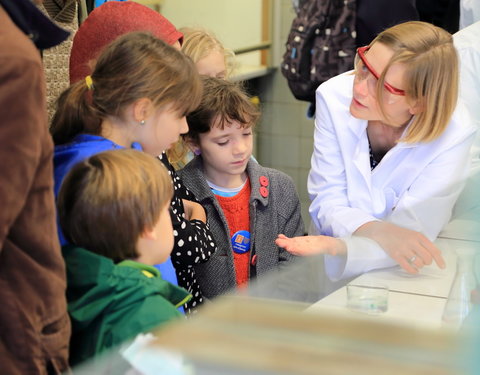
(361, 53)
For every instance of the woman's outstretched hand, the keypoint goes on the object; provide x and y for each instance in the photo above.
(311, 245)
(410, 249)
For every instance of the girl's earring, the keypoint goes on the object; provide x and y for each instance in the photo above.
(142, 122)
(197, 152)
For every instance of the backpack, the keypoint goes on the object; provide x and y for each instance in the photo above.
(321, 44)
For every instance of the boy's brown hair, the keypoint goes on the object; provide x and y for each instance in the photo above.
(222, 103)
(107, 201)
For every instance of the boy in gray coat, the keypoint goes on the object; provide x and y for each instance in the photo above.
(247, 205)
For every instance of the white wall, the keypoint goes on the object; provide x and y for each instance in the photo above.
(284, 138)
(236, 23)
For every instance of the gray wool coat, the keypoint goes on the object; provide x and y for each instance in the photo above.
(277, 212)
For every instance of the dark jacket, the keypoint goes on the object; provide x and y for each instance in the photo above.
(374, 16)
(110, 303)
(277, 212)
(34, 325)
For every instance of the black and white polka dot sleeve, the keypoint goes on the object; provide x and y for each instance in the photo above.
(193, 241)
(181, 190)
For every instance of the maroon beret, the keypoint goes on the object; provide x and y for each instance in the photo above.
(109, 21)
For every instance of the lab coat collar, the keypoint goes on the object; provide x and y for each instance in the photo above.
(361, 156)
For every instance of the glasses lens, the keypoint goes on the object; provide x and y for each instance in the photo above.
(361, 70)
(363, 73)
(388, 97)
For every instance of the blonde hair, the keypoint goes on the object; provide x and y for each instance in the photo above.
(107, 201)
(431, 75)
(197, 44)
(134, 66)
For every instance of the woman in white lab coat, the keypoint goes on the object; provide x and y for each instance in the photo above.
(390, 155)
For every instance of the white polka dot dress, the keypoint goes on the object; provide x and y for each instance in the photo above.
(192, 240)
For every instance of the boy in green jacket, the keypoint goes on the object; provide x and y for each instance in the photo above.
(113, 208)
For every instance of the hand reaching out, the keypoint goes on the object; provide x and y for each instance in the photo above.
(311, 245)
(410, 249)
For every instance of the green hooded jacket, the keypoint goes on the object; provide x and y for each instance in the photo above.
(110, 303)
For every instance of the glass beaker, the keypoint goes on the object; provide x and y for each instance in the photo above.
(459, 303)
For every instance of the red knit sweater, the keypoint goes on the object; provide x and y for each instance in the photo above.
(237, 213)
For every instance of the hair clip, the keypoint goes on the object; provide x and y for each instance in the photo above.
(89, 82)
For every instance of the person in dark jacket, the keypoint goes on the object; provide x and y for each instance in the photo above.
(374, 16)
(114, 210)
(34, 325)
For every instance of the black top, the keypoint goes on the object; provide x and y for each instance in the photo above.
(193, 241)
(374, 161)
(374, 16)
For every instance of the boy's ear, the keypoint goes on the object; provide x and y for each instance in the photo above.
(149, 234)
(142, 108)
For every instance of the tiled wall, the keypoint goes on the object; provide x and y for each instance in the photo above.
(284, 137)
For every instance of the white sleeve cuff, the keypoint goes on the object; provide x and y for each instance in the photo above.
(363, 255)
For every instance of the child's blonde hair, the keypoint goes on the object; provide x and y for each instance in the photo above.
(136, 65)
(107, 201)
(198, 43)
(431, 75)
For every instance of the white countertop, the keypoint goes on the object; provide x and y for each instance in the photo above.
(413, 299)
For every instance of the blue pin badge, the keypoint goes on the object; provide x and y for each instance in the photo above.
(241, 241)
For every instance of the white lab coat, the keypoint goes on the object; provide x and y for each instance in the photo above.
(469, 12)
(415, 185)
(467, 43)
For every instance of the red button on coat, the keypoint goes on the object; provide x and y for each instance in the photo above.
(254, 260)
(263, 181)
(264, 191)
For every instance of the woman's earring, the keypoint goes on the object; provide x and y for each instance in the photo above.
(142, 122)
(197, 152)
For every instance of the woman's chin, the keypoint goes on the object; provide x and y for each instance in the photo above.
(355, 112)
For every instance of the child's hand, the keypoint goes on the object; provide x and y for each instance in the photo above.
(194, 211)
(311, 245)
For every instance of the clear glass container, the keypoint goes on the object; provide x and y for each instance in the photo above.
(459, 301)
